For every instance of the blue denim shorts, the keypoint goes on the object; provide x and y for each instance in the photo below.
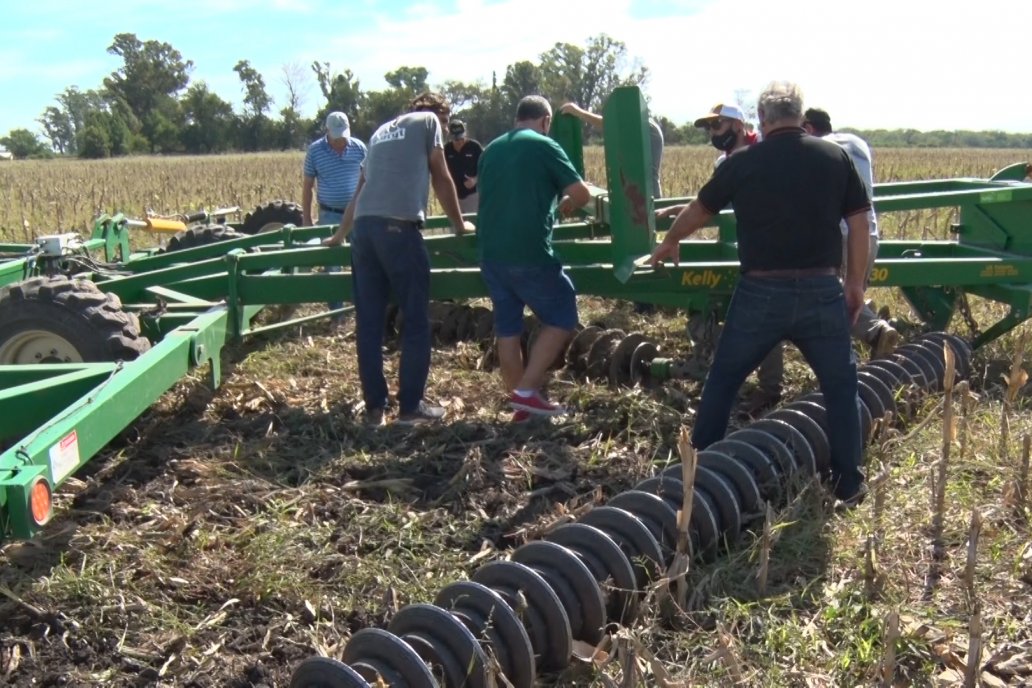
(545, 289)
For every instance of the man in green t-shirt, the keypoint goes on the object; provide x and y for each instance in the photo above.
(521, 176)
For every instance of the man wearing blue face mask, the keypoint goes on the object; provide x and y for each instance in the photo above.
(727, 129)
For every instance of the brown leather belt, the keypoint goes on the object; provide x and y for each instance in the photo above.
(793, 274)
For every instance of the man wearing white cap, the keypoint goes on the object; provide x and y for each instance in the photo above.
(727, 129)
(335, 160)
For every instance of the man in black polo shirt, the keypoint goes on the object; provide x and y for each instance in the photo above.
(789, 193)
(462, 155)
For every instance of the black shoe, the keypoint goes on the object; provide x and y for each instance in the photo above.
(424, 413)
(853, 501)
(373, 418)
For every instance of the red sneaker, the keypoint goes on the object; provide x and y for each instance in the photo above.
(535, 404)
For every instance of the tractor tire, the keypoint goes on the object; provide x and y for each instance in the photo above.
(200, 236)
(61, 320)
(272, 216)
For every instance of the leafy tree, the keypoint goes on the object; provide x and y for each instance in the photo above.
(256, 98)
(208, 120)
(462, 95)
(411, 79)
(342, 92)
(22, 143)
(292, 130)
(63, 123)
(94, 141)
(491, 114)
(521, 79)
(151, 75)
(255, 127)
(57, 126)
(588, 75)
(380, 106)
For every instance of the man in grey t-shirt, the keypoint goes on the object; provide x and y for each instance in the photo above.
(388, 256)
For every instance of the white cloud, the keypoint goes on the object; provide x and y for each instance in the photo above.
(880, 63)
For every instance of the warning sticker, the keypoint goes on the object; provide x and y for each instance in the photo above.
(64, 456)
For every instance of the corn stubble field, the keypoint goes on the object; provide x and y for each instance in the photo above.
(231, 533)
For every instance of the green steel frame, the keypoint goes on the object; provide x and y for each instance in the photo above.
(191, 303)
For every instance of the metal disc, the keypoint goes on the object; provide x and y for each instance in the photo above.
(764, 471)
(444, 643)
(961, 350)
(325, 672)
(642, 356)
(741, 478)
(805, 463)
(572, 582)
(671, 490)
(921, 370)
(813, 433)
(467, 324)
(705, 518)
(722, 494)
(542, 613)
(656, 514)
(633, 538)
(774, 448)
(871, 400)
(884, 392)
(376, 654)
(607, 563)
(813, 406)
(495, 625)
(483, 319)
(451, 323)
(899, 373)
(936, 357)
(620, 360)
(890, 381)
(580, 345)
(866, 422)
(438, 311)
(814, 409)
(601, 351)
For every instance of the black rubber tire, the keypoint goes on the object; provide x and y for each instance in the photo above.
(89, 320)
(274, 213)
(201, 236)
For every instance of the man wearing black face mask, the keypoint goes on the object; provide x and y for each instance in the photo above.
(727, 129)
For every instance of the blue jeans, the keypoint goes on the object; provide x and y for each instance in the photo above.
(388, 257)
(810, 312)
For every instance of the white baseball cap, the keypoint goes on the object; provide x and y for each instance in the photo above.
(721, 110)
(337, 125)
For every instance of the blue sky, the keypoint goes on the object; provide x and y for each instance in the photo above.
(877, 63)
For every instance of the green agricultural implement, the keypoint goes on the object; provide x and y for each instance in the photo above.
(107, 329)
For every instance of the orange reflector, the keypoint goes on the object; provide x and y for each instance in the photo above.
(40, 503)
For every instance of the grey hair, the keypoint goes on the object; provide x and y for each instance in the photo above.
(531, 108)
(780, 100)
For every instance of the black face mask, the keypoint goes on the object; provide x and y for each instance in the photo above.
(726, 141)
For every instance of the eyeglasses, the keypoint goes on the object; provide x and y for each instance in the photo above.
(716, 124)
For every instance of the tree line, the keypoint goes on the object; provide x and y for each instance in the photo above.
(150, 106)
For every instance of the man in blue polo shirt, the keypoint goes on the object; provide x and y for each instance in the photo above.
(336, 161)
